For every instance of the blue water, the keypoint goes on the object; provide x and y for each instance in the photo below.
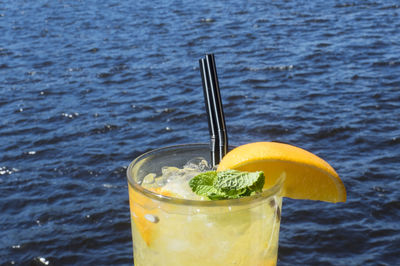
(86, 86)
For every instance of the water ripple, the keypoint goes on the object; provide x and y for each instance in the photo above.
(87, 86)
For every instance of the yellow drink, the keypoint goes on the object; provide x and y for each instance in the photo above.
(167, 230)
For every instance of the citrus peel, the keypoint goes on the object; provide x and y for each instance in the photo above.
(143, 208)
(307, 176)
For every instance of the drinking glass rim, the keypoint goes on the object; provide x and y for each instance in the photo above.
(272, 191)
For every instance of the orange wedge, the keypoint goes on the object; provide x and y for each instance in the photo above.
(307, 175)
(144, 212)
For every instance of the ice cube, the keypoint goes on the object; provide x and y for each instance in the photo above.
(172, 173)
(198, 164)
(149, 179)
(160, 181)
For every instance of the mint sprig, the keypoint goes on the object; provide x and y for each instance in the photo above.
(230, 184)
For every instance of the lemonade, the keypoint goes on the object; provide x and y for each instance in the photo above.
(173, 225)
(191, 230)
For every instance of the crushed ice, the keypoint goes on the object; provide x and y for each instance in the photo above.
(176, 180)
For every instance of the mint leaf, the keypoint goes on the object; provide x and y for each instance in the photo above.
(229, 184)
(203, 184)
(237, 180)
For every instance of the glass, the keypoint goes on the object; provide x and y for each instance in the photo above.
(172, 231)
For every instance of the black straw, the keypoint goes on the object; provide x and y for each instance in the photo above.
(213, 103)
